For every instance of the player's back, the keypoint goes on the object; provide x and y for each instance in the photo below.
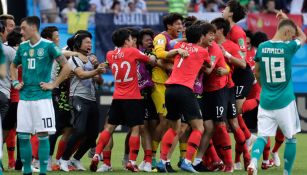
(274, 58)
(124, 68)
(185, 70)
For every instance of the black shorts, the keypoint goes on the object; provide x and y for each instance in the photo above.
(231, 104)
(250, 119)
(150, 108)
(243, 79)
(180, 100)
(63, 117)
(4, 105)
(127, 112)
(84, 115)
(10, 120)
(215, 105)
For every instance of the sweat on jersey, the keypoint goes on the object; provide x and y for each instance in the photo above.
(274, 59)
(36, 61)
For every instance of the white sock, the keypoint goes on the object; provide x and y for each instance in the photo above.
(197, 161)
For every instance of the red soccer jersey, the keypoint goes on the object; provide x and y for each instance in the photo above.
(250, 54)
(124, 68)
(15, 93)
(213, 81)
(238, 36)
(185, 70)
(235, 51)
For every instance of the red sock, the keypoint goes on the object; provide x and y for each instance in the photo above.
(107, 157)
(211, 152)
(222, 138)
(249, 105)
(148, 155)
(103, 141)
(279, 139)
(166, 143)
(193, 143)
(238, 153)
(266, 151)
(35, 144)
(243, 127)
(61, 149)
(10, 144)
(134, 145)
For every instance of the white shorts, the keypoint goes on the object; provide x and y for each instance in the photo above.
(287, 119)
(35, 116)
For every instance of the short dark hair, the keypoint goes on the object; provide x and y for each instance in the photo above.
(193, 33)
(119, 36)
(221, 23)
(188, 21)
(144, 32)
(71, 41)
(78, 38)
(5, 17)
(238, 11)
(206, 28)
(14, 37)
(248, 34)
(258, 37)
(48, 31)
(134, 32)
(32, 20)
(171, 18)
(2, 26)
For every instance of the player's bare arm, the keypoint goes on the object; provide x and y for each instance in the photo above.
(241, 63)
(61, 60)
(16, 84)
(2, 70)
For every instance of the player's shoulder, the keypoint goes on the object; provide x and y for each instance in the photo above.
(160, 38)
(24, 43)
(46, 42)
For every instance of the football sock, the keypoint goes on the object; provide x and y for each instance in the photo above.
(279, 139)
(289, 156)
(183, 149)
(266, 151)
(34, 143)
(107, 157)
(167, 142)
(147, 156)
(103, 141)
(25, 152)
(258, 149)
(10, 144)
(43, 153)
(134, 146)
(61, 148)
(193, 143)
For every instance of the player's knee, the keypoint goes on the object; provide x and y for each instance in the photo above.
(23, 136)
(42, 134)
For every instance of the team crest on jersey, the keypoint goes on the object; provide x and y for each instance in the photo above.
(241, 43)
(31, 52)
(212, 58)
(40, 52)
(160, 41)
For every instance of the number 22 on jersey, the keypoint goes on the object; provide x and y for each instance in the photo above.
(274, 69)
(124, 64)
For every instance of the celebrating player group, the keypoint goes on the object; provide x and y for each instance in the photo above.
(191, 83)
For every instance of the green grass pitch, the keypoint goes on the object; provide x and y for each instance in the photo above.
(300, 167)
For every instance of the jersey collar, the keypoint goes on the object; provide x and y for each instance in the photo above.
(39, 41)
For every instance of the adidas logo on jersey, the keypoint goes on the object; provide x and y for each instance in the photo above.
(25, 54)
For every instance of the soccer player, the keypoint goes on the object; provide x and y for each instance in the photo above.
(163, 50)
(242, 77)
(214, 104)
(277, 101)
(127, 107)
(9, 22)
(180, 99)
(2, 75)
(35, 113)
(14, 38)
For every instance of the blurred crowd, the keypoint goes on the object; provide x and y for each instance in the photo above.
(57, 10)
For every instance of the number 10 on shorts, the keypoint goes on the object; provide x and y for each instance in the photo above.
(47, 122)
